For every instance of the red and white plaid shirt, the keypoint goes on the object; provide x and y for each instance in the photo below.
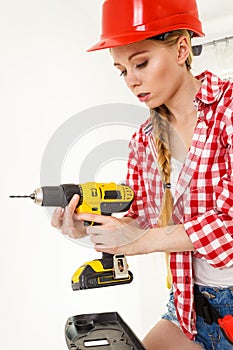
(203, 199)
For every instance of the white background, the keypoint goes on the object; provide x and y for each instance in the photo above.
(46, 78)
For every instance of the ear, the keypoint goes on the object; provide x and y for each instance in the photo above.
(183, 49)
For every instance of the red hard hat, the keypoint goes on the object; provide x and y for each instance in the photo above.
(128, 21)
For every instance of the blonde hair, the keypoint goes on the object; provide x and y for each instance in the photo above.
(161, 119)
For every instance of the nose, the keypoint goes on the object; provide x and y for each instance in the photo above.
(132, 80)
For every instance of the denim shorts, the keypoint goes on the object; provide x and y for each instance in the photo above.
(209, 336)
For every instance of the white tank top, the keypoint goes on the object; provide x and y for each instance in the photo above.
(205, 274)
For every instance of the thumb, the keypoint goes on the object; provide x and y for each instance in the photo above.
(73, 203)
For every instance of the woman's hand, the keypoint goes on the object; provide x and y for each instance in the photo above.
(120, 236)
(67, 221)
(116, 236)
(110, 235)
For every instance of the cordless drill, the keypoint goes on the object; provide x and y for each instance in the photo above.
(96, 198)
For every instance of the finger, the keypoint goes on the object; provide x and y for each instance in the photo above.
(73, 233)
(101, 237)
(103, 249)
(73, 203)
(67, 220)
(94, 230)
(97, 240)
(99, 219)
(56, 220)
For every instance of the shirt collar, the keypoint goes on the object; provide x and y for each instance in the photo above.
(209, 92)
(147, 126)
(211, 88)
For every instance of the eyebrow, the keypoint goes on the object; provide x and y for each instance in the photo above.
(132, 56)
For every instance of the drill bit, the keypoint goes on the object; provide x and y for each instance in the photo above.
(32, 196)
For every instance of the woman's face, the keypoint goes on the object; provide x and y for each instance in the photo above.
(152, 71)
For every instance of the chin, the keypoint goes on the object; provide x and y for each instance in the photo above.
(152, 105)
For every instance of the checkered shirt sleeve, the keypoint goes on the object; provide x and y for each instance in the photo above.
(144, 179)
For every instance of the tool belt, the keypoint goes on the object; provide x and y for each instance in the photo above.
(210, 314)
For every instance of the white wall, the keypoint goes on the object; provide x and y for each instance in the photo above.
(47, 77)
(217, 54)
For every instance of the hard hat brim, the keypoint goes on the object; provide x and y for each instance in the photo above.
(129, 38)
(119, 41)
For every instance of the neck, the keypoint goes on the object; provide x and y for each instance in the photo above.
(184, 116)
(181, 104)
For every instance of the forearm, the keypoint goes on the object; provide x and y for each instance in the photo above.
(170, 239)
(160, 239)
(163, 239)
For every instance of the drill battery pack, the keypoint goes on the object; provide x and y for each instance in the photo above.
(109, 271)
(100, 331)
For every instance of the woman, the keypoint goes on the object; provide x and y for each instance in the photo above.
(180, 168)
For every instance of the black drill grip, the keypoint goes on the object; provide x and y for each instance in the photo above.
(107, 260)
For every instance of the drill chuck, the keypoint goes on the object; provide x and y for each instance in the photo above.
(49, 196)
(55, 196)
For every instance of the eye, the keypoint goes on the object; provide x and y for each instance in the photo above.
(123, 73)
(142, 65)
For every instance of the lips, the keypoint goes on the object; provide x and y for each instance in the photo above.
(143, 96)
